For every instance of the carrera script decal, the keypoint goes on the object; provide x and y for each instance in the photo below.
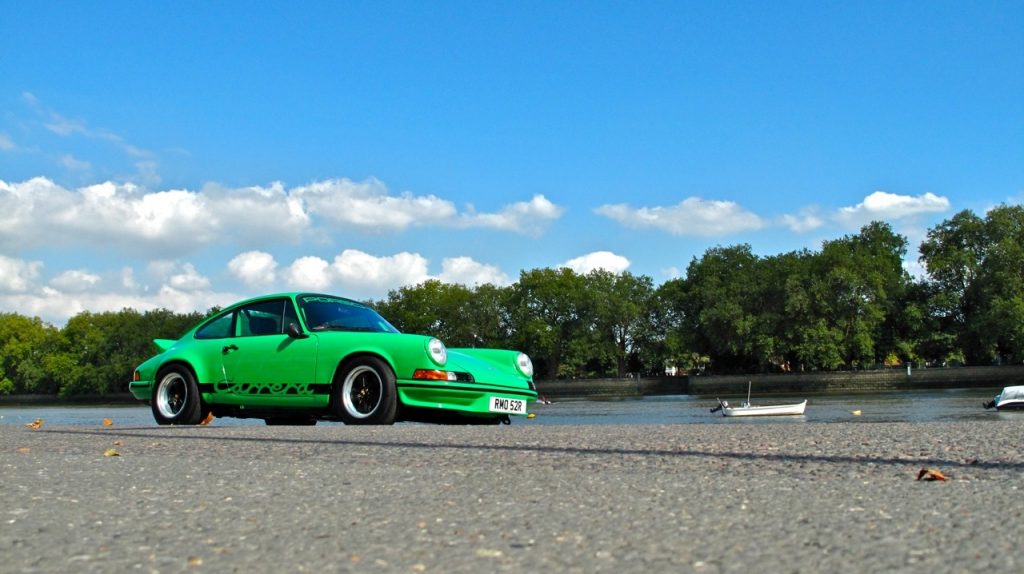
(271, 389)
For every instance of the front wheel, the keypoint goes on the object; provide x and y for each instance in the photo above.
(176, 399)
(364, 392)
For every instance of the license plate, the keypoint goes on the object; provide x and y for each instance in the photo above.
(511, 406)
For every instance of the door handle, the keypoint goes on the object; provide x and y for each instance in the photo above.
(228, 348)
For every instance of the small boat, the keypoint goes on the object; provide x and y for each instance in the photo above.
(747, 410)
(1009, 399)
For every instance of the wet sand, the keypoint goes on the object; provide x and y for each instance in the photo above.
(416, 498)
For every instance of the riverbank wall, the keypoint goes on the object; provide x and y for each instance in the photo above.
(792, 383)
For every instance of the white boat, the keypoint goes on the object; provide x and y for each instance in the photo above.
(1010, 398)
(747, 410)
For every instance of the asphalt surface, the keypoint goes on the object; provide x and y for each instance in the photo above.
(418, 498)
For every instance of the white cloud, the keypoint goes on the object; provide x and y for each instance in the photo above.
(76, 128)
(73, 164)
(17, 275)
(366, 273)
(310, 273)
(258, 215)
(692, 216)
(806, 220)
(188, 280)
(39, 212)
(174, 223)
(528, 217)
(885, 206)
(160, 224)
(357, 274)
(598, 260)
(254, 268)
(916, 269)
(368, 205)
(73, 292)
(671, 272)
(466, 271)
(75, 281)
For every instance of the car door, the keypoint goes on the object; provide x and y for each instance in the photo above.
(265, 366)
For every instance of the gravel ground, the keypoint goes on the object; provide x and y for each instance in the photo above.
(418, 498)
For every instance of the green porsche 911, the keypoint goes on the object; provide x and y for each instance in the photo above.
(296, 358)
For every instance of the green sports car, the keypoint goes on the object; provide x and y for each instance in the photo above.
(296, 358)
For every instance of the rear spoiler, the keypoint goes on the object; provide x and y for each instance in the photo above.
(163, 344)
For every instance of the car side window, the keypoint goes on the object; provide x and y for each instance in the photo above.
(219, 328)
(265, 318)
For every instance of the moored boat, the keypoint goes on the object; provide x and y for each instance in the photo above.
(748, 410)
(1011, 398)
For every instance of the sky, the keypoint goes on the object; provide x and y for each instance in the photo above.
(184, 155)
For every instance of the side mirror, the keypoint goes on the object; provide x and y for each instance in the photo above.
(294, 332)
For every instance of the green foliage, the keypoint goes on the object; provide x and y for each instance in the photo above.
(976, 268)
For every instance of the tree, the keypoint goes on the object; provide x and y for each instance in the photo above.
(545, 307)
(975, 269)
(25, 343)
(720, 305)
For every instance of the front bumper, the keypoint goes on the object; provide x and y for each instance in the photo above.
(472, 398)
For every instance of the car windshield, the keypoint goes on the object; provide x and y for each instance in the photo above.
(336, 314)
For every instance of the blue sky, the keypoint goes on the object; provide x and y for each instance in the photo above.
(186, 154)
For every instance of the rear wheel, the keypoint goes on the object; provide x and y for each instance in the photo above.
(176, 399)
(364, 392)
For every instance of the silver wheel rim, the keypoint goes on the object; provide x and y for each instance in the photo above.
(171, 395)
(362, 392)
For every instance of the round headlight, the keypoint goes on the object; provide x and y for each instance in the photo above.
(437, 351)
(524, 364)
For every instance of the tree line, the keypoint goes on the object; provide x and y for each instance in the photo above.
(849, 305)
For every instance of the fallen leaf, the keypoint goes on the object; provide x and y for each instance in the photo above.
(117, 443)
(108, 422)
(111, 452)
(489, 553)
(36, 424)
(931, 474)
(855, 413)
(207, 420)
(531, 416)
(24, 450)
(195, 561)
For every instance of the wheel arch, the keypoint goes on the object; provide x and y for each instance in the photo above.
(347, 359)
(344, 362)
(176, 363)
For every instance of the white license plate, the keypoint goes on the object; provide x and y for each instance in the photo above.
(511, 406)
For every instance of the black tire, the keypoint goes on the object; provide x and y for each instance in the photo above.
(364, 392)
(176, 399)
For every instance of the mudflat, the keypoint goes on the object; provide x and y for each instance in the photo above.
(836, 497)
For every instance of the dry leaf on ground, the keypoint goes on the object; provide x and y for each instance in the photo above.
(35, 424)
(931, 474)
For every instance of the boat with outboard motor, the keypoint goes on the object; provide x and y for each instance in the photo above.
(1010, 398)
(747, 410)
